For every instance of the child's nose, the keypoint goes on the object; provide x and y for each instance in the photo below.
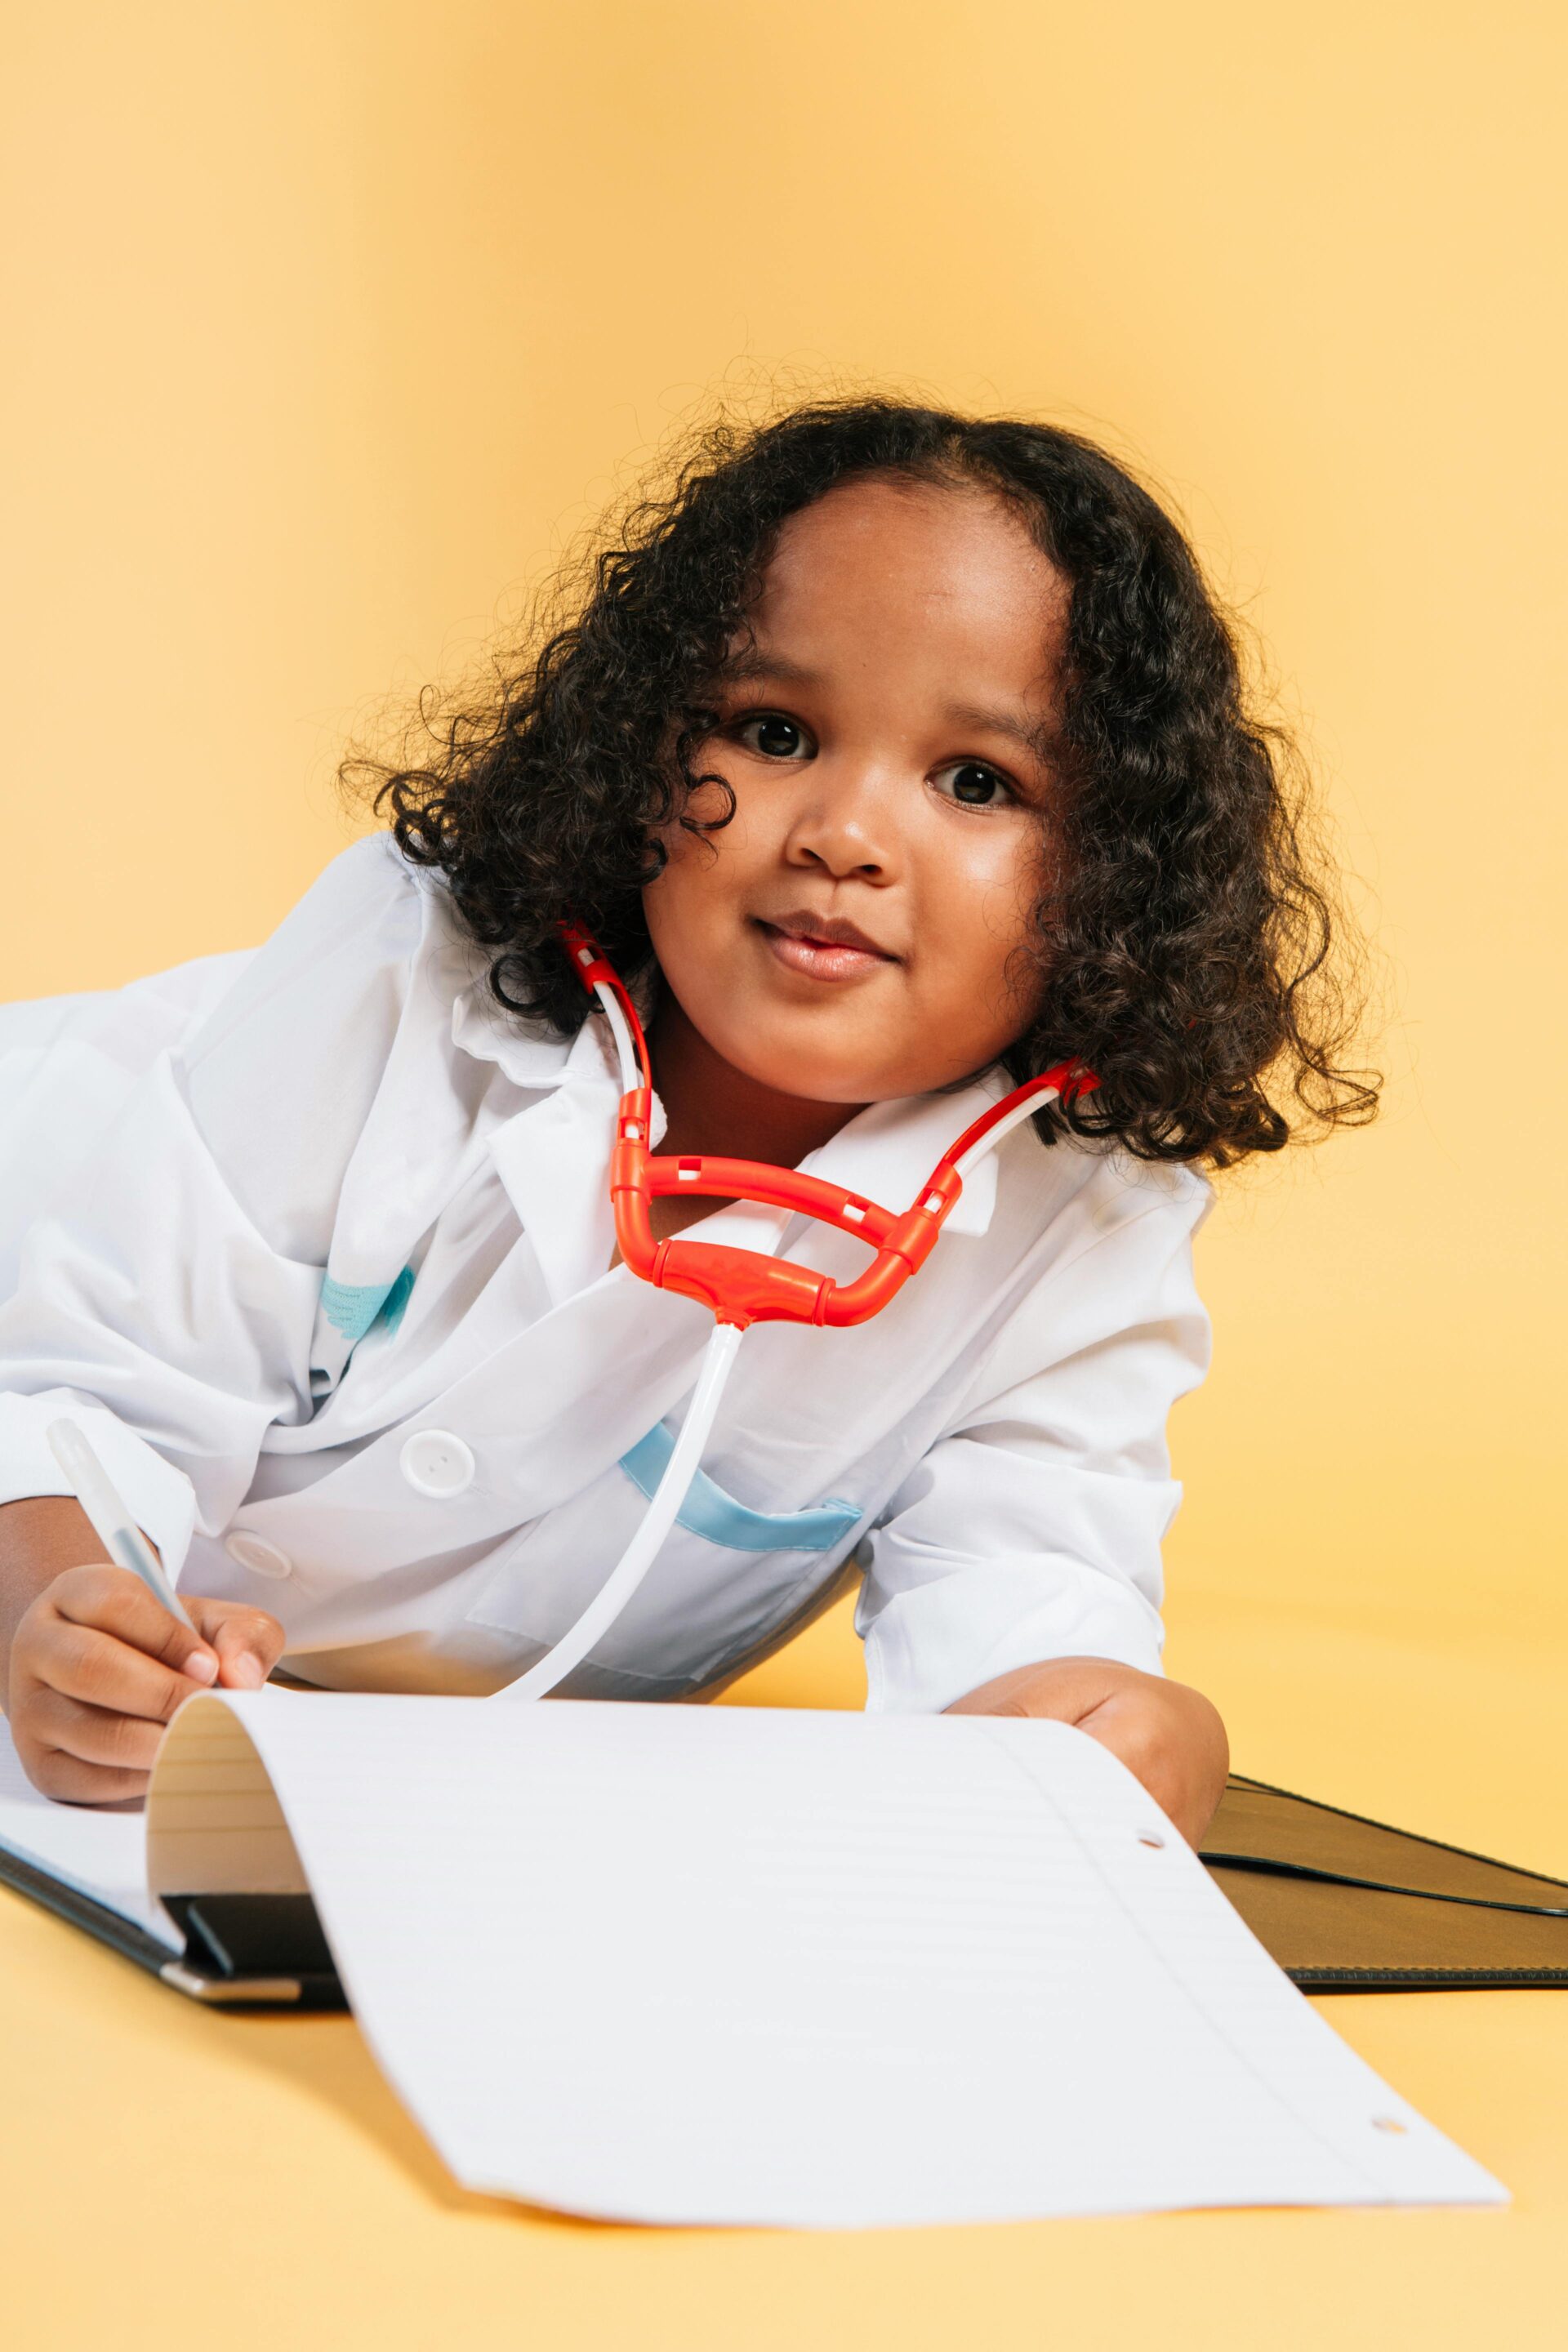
(846, 822)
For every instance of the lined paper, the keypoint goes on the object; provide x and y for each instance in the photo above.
(753, 1966)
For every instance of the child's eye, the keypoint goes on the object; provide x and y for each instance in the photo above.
(973, 785)
(773, 735)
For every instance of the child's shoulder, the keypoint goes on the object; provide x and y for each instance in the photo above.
(1121, 1188)
(370, 877)
(1082, 1190)
(360, 930)
(335, 979)
(371, 973)
(333, 1045)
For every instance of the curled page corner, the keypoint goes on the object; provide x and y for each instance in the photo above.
(215, 1821)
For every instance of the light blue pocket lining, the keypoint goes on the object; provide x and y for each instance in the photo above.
(351, 1307)
(708, 1511)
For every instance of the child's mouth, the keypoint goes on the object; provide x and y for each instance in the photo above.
(819, 956)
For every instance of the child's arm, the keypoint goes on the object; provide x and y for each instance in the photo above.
(169, 1293)
(91, 1667)
(170, 1298)
(1017, 1570)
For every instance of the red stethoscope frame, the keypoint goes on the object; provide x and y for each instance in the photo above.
(743, 1287)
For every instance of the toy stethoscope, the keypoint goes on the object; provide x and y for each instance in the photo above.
(742, 1286)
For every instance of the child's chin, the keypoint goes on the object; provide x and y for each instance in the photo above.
(850, 1087)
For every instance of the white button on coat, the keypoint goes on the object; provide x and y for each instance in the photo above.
(436, 1463)
(254, 1552)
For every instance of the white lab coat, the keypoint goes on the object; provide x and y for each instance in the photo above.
(316, 1242)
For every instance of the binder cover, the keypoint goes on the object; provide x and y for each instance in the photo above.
(1346, 1905)
(1341, 1904)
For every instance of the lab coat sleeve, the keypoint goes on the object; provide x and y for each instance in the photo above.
(167, 1297)
(1032, 1529)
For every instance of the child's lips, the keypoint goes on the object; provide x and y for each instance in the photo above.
(822, 959)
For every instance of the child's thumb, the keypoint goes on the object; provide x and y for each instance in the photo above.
(248, 1645)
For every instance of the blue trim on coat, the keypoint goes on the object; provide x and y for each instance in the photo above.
(351, 1307)
(708, 1511)
(398, 1298)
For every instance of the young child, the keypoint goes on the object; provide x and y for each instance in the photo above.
(893, 758)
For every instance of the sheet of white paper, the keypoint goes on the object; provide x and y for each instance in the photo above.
(740, 1966)
(99, 1851)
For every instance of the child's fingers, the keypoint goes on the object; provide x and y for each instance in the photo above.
(1172, 1739)
(93, 1735)
(249, 1642)
(70, 1781)
(115, 1601)
(1063, 1690)
(99, 1670)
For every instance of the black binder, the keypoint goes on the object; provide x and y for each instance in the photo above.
(1344, 1904)
(242, 1951)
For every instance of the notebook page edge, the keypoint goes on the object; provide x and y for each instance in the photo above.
(1405, 2155)
(216, 1824)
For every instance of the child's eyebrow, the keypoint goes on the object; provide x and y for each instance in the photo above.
(1035, 735)
(749, 666)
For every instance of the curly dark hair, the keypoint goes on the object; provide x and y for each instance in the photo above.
(1187, 941)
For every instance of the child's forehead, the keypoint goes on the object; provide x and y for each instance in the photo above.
(860, 519)
(948, 573)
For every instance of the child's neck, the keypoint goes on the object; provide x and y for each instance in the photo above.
(715, 1109)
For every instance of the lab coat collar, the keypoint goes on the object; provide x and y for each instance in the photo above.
(554, 1160)
(530, 1054)
(553, 1155)
(888, 1151)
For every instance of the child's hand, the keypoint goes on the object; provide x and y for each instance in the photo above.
(1171, 1737)
(97, 1667)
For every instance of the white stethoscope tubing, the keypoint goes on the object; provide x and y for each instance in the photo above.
(687, 1457)
(625, 1052)
(993, 1135)
(657, 1521)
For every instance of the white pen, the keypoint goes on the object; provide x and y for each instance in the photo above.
(95, 1491)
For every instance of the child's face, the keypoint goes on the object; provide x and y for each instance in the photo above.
(852, 934)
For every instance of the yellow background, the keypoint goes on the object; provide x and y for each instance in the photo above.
(326, 326)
